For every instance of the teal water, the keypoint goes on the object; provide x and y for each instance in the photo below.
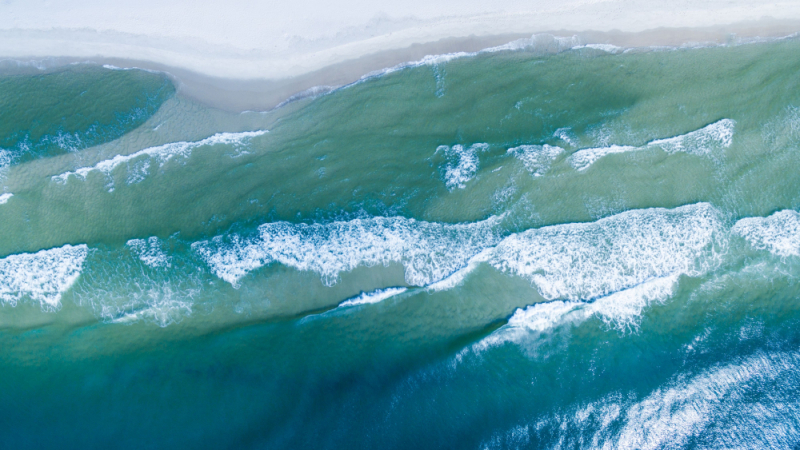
(521, 249)
(71, 109)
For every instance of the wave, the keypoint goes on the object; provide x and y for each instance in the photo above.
(161, 304)
(162, 313)
(42, 276)
(428, 251)
(6, 158)
(376, 296)
(620, 310)
(542, 42)
(782, 129)
(611, 268)
(578, 262)
(457, 277)
(160, 154)
(140, 281)
(150, 252)
(537, 158)
(729, 406)
(779, 233)
(674, 413)
(4, 198)
(566, 135)
(703, 142)
(608, 48)
(568, 272)
(583, 261)
(546, 43)
(462, 164)
(312, 92)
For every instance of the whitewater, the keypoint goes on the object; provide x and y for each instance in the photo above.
(544, 244)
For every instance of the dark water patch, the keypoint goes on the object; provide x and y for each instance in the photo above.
(73, 108)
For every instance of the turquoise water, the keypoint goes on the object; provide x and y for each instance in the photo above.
(71, 109)
(522, 249)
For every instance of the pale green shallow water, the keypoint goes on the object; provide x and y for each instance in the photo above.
(583, 249)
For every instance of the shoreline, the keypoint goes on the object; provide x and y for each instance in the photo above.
(264, 94)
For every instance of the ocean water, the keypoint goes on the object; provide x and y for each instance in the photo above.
(542, 246)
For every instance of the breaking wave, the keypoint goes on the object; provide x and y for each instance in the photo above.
(428, 251)
(138, 163)
(373, 297)
(778, 233)
(42, 276)
(703, 142)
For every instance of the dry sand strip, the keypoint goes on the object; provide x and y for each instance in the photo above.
(245, 55)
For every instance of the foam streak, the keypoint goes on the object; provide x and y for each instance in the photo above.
(703, 142)
(160, 154)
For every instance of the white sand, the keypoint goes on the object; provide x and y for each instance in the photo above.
(279, 39)
(273, 42)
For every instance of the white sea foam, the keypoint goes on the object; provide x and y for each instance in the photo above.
(530, 322)
(608, 48)
(119, 289)
(462, 164)
(577, 262)
(704, 142)
(672, 415)
(113, 67)
(160, 154)
(536, 158)
(373, 297)
(620, 310)
(66, 141)
(149, 252)
(542, 316)
(566, 135)
(542, 42)
(546, 43)
(783, 129)
(6, 158)
(5, 197)
(730, 405)
(623, 309)
(42, 276)
(700, 142)
(162, 306)
(427, 60)
(457, 277)
(778, 233)
(312, 92)
(583, 261)
(428, 251)
(584, 158)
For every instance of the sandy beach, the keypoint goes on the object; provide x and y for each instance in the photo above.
(240, 56)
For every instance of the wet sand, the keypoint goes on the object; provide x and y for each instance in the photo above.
(253, 93)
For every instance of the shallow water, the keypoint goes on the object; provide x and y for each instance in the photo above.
(519, 249)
